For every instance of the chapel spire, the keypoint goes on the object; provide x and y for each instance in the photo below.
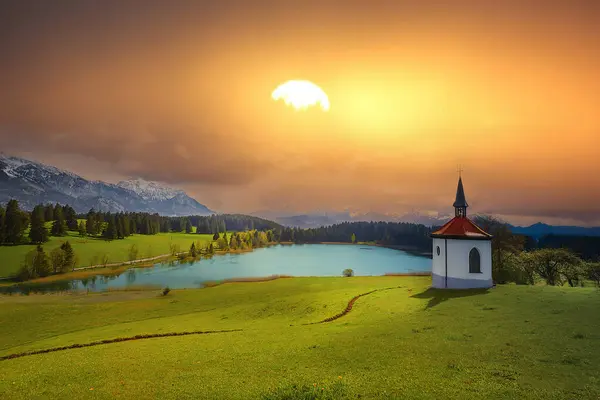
(460, 203)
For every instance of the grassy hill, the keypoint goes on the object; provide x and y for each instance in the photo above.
(409, 342)
(90, 251)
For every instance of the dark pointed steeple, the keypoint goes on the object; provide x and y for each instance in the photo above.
(460, 203)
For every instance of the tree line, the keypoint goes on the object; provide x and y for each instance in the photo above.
(14, 223)
(409, 235)
(47, 220)
(519, 259)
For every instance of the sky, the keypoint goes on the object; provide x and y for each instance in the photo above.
(180, 92)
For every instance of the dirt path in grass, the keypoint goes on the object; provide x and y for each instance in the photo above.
(162, 335)
(116, 340)
(349, 306)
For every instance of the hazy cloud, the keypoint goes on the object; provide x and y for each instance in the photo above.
(180, 92)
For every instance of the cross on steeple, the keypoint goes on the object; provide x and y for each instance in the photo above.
(459, 170)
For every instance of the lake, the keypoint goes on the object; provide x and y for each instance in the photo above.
(294, 260)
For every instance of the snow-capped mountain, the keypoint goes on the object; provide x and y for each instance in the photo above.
(150, 190)
(33, 183)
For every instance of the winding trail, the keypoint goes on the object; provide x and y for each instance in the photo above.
(116, 340)
(349, 306)
(185, 333)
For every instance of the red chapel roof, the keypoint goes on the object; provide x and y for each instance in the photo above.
(461, 228)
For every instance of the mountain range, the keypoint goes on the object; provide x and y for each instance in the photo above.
(32, 183)
(540, 229)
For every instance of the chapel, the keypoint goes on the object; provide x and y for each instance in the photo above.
(462, 251)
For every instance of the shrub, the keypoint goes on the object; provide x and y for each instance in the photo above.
(166, 291)
(193, 252)
(57, 259)
(175, 248)
(593, 272)
(348, 272)
(36, 264)
(104, 259)
(133, 252)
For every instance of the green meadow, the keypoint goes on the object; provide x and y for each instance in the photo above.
(408, 342)
(91, 251)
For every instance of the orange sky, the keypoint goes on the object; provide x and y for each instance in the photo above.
(180, 92)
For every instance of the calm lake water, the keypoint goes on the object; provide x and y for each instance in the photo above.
(295, 260)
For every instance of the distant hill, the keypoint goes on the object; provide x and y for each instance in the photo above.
(540, 229)
(32, 183)
(316, 220)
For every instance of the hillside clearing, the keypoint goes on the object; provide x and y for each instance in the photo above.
(409, 342)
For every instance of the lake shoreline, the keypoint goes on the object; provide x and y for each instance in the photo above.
(206, 285)
(116, 269)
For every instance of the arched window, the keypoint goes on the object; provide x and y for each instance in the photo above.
(474, 261)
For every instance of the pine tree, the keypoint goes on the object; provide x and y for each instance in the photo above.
(132, 226)
(193, 251)
(58, 207)
(353, 238)
(81, 228)
(2, 225)
(216, 236)
(188, 226)
(225, 241)
(59, 227)
(70, 217)
(69, 256)
(49, 212)
(38, 232)
(90, 223)
(126, 229)
(119, 226)
(99, 220)
(111, 230)
(13, 222)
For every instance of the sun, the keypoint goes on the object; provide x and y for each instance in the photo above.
(301, 95)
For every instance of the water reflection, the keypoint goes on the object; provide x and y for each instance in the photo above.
(130, 276)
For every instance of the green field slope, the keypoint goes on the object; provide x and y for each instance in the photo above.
(91, 251)
(409, 342)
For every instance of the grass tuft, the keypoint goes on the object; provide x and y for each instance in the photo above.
(334, 391)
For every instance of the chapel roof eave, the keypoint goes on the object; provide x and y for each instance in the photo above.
(460, 237)
(461, 228)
